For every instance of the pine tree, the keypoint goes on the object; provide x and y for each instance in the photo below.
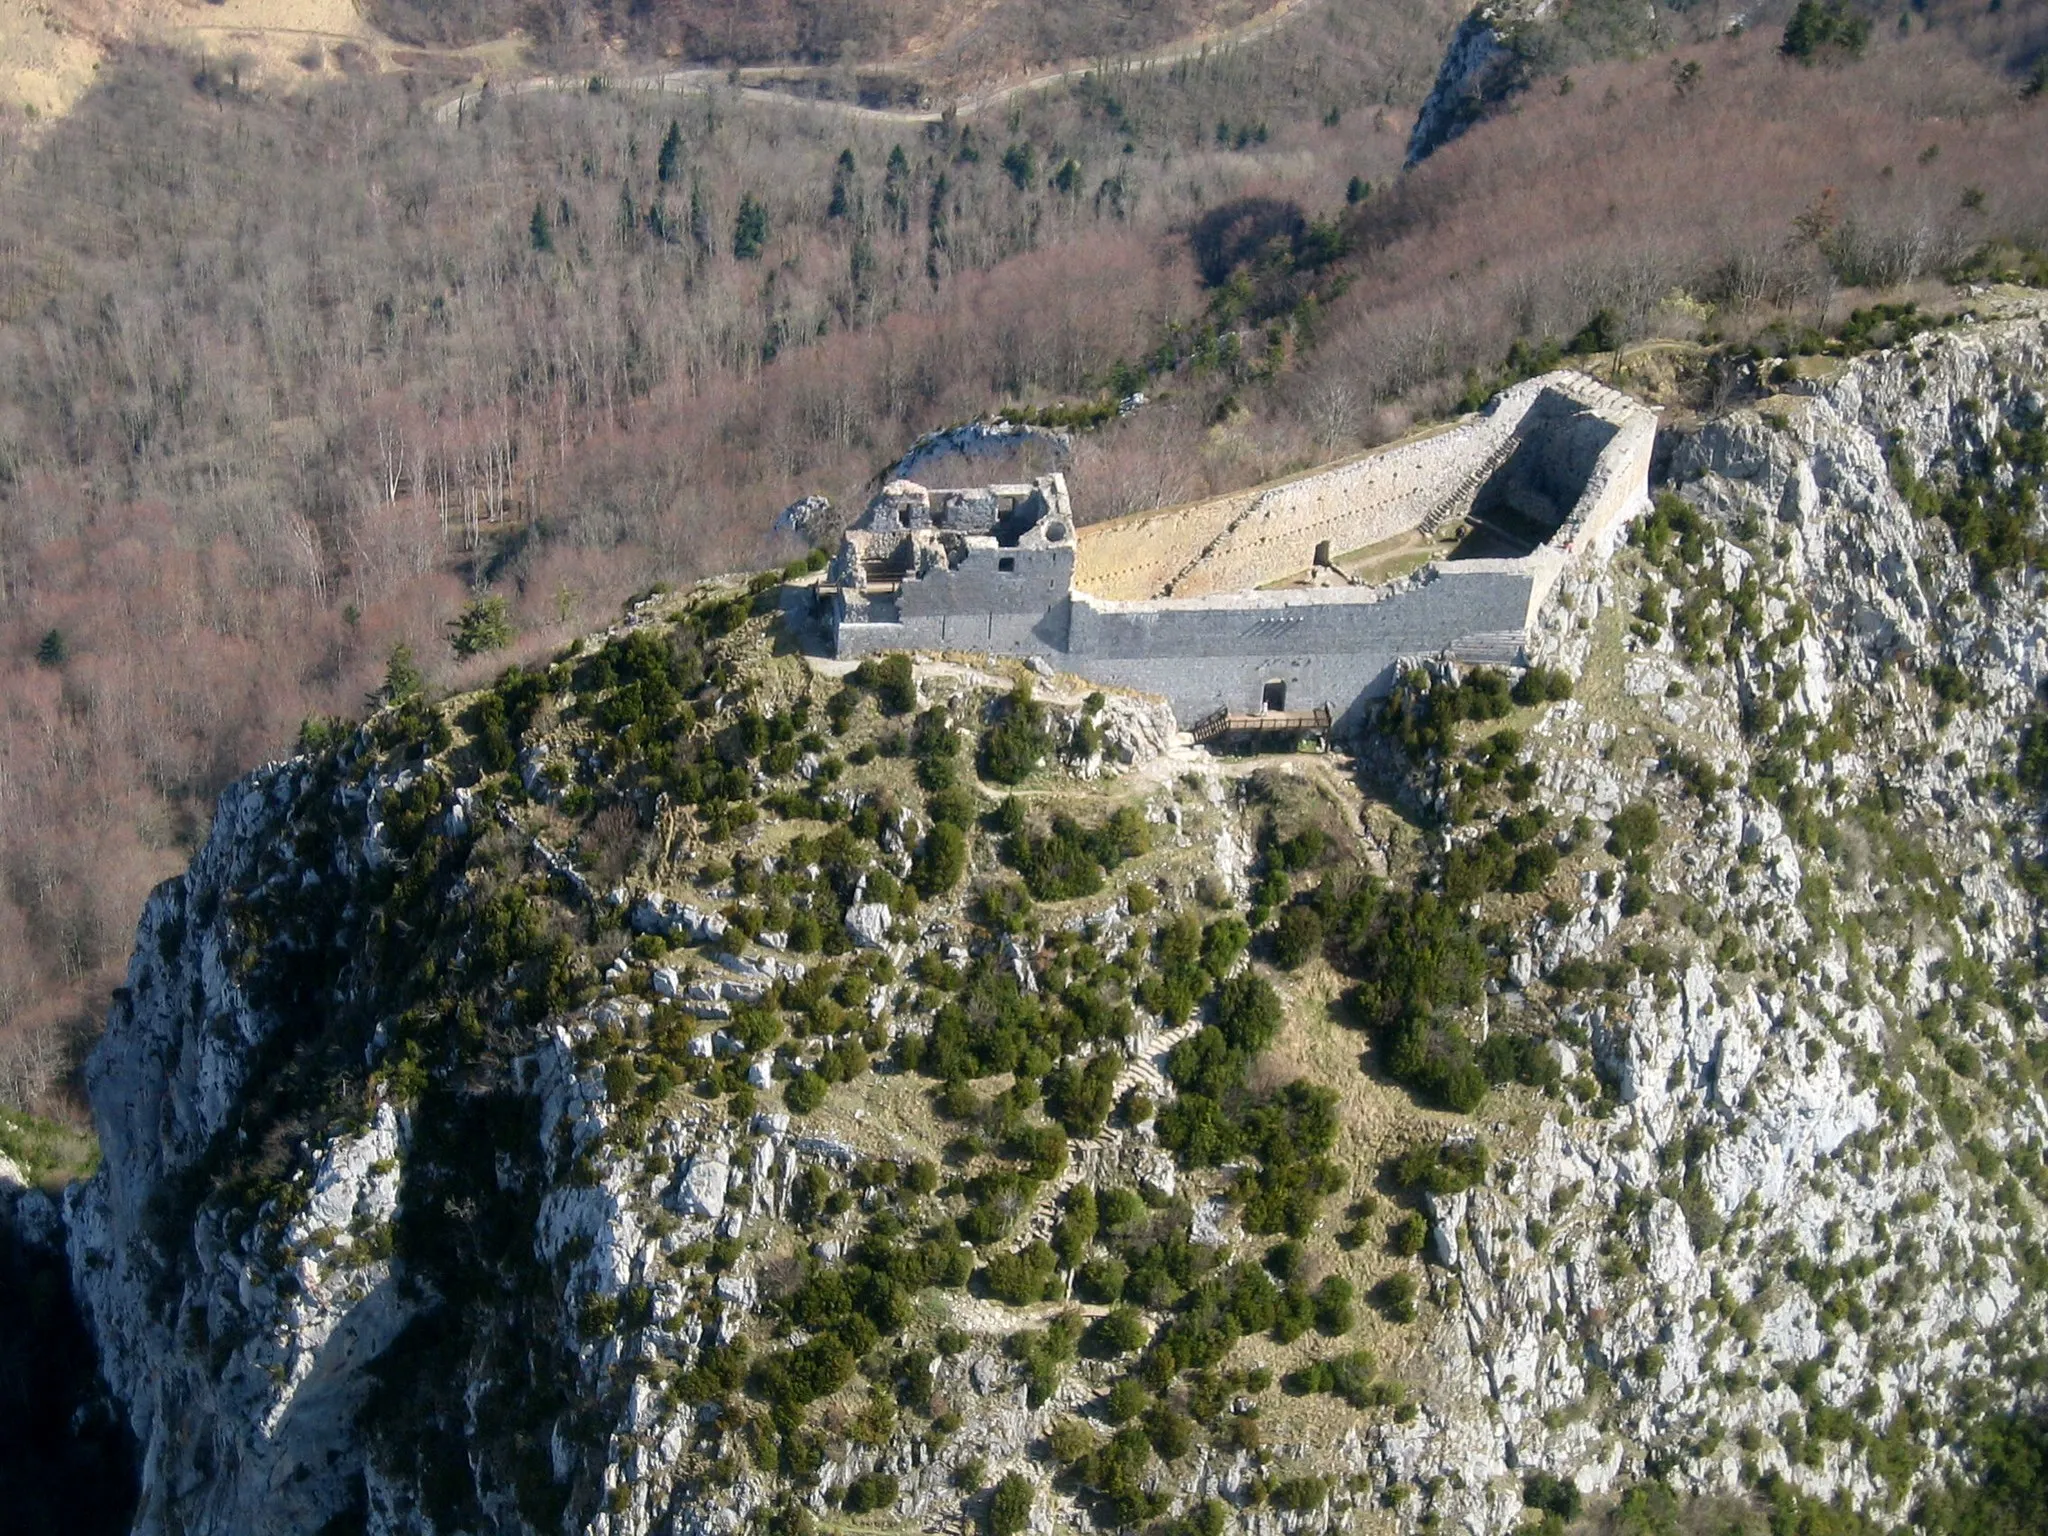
(861, 270)
(700, 220)
(896, 189)
(1821, 26)
(485, 624)
(51, 651)
(629, 216)
(402, 678)
(666, 166)
(842, 187)
(935, 222)
(1020, 163)
(540, 230)
(749, 229)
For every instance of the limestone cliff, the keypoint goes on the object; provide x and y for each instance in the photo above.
(1790, 1240)
(1480, 69)
(677, 1089)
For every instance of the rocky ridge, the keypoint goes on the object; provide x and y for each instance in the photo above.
(1793, 1037)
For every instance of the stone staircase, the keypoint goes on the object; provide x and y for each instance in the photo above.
(1251, 509)
(1494, 648)
(1459, 501)
(1145, 1070)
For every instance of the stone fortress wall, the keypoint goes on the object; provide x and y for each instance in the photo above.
(1187, 603)
(1254, 537)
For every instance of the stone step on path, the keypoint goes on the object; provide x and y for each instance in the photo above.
(1148, 1053)
(1146, 1069)
(1083, 1157)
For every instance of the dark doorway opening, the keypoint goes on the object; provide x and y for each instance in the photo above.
(1274, 695)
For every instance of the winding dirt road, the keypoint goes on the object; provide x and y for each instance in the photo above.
(693, 82)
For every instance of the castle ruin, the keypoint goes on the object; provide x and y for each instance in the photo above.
(1304, 593)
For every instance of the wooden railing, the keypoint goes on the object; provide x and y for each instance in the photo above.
(1265, 722)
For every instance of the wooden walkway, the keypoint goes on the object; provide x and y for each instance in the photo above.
(1267, 722)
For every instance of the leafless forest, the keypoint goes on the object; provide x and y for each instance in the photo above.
(285, 378)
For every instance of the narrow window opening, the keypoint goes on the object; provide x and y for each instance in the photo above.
(1007, 563)
(1274, 695)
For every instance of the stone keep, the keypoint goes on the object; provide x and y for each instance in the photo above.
(1209, 606)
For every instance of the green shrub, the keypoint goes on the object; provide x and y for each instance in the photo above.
(1222, 942)
(1514, 1058)
(1118, 1208)
(805, 1374)
(890, 679)
(1551, 1495)
(804, 1092)
(598, 1318)
(1127, 1400)
(1297, 937)
(1248, 1013)
(1334, 1306)
(1346, 1376)
(1018, 742)
(1102, 1279)
(941, 861)
(1005, 906)
(1009, 1508)
(1171, 1432)
(1451, 1167)
(1300, 1494)
(1418, 963)
(1395, 1298)
(1068, 860)
(1075, 1230)
(1542, 685)
(1080, 1095)
(1423, 714)
(1117, 1332)
(870, 1491)
(1023, 1278)
(1634, 829)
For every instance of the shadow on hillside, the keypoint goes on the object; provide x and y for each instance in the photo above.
(67, 1461)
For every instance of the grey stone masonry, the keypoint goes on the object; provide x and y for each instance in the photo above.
(1227, 603)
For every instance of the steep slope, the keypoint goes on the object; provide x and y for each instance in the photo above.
(1795, 1234)
(679, 1089)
